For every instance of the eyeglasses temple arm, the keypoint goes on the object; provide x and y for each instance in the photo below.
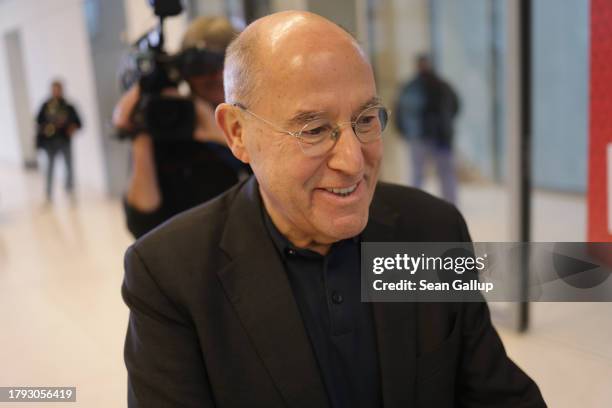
(278, 129)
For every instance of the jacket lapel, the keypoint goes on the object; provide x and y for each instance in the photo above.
(396, 329)
(258, 287)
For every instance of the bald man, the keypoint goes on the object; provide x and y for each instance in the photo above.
(253, 299)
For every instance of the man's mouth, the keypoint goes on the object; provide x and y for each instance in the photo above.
(342, 192)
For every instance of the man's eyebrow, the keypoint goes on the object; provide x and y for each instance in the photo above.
(373, 101)
(303, 117)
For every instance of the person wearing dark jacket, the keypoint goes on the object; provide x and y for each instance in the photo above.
(57, 121)
(425, 113)
(253, 299)
(170, 176)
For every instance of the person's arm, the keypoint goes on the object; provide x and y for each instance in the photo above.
(122, 114)
(142, 195)
(397, 112)
(74, 121)
(162, 352)
(142, 200)
(40, 120)
(455, 103)
(487, 377)
(40, 117)
(143, 191)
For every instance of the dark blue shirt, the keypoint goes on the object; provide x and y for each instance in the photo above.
(340, 327)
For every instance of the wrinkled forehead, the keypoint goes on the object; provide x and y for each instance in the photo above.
(308, 74)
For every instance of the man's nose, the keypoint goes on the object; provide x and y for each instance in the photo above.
(347, 154)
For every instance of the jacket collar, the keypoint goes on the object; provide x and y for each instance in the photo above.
(256, 283)
(396, 328)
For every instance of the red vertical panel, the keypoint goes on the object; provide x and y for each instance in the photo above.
(600, 126)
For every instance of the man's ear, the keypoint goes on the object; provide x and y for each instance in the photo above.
(230, 121)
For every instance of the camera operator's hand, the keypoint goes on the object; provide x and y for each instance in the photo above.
(143, 190)
(122, 114)
(206, 129)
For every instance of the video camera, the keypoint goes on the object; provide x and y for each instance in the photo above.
(165, 118)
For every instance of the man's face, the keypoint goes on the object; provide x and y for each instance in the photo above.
(423, 65)
(56, 91)
(295, 186)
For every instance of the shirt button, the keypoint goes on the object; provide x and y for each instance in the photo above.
(337, 298)
(290, 251)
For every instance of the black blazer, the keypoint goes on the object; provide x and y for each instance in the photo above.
(213, 322)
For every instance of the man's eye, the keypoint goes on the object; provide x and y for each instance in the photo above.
(366, 120)
(317, 131)
(313, 132)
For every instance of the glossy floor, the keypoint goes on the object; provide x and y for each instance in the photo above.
(62, 320)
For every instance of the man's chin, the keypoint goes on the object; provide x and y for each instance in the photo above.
(345, 227)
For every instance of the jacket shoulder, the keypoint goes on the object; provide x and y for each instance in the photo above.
(179, 257)
(403, 198)
(429, 217)
(190, 236)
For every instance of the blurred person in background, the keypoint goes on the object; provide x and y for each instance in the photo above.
(425, 113)
(172, 176)
(57, 122)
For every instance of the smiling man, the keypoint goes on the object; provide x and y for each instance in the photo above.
(253, 299)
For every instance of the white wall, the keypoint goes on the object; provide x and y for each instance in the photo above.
(10, 150)
(55, 44)
(20, 96)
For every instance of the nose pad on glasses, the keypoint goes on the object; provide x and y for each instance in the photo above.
(335, 134)
(338, 131)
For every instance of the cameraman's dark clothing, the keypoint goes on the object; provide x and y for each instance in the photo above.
(54, 119)
(189, 173)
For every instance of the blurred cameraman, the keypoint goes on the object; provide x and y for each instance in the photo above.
(170, 176)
